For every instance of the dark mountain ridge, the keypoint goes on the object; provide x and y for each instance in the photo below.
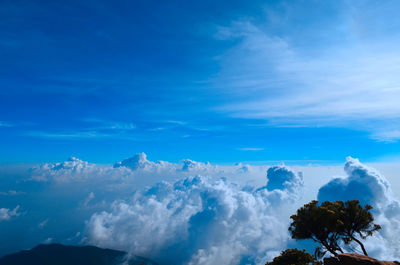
(57, 254)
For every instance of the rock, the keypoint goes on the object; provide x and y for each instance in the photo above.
(356, 259)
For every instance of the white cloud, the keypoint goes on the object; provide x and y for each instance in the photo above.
(72, 169)
(362, 183)
(367, 185)
(140, 162)
(138, 172)
(281, 177)
(7, 214)
(198, 221)
(190, 165)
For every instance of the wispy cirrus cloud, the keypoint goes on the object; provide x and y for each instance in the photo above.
(95, 128)
(387, 135)
(11, 193)
(100, 124)
(5, 124)
(66, 135)
(273, 76)
(250, 148)
(108, 129)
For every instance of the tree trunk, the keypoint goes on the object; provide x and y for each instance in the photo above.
(361, 245)
(330, 249)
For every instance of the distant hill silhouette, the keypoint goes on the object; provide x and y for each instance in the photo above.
(57, 254)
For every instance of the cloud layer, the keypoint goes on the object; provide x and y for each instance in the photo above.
(198, 221)
(189, 212)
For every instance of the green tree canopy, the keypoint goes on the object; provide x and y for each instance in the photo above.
(294, 257)
(332, 223)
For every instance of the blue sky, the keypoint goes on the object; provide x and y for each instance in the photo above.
(311, 81)
(307, 83)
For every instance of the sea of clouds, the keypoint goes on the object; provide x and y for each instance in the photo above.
(184, 213)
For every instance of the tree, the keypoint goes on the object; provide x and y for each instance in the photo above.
(294, 257)
(332, 223)
(316, 222)
(354, 219)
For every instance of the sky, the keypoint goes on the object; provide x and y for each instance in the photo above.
(198, 127)
(311, 81)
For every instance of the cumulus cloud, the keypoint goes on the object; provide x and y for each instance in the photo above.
(75, 170)
(7, 214)
(362, 183)
(171, 216)
(198, 220)
(72, 169)
(281, 177)
(140, 162)
(190, 165)
(367, 185)
(138, 168)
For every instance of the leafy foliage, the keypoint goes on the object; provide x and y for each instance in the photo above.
(354, 219)
(333, 222)
(294, 257)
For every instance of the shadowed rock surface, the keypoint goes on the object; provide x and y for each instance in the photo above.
(356, 259)
(56, 254)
